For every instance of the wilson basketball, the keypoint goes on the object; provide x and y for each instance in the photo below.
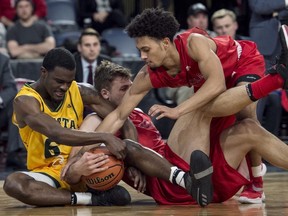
(106, 179)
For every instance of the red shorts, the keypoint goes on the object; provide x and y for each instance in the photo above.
(226, 180)
(251, 62)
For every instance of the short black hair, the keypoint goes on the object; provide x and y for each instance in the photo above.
(60, 57)
(108, 71)
(153, 22)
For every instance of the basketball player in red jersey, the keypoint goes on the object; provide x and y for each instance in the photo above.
(209, 65)
(112, 81)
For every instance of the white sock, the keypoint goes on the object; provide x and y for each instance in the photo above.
(176, 176)
(83, 198)
(256, 171)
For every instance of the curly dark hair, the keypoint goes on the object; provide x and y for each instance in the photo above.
(153, 22)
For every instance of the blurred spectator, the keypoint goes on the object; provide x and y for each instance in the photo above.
(8, 12)
(197, 16)
(101, 14)
(224, 23)
(88, 56)
(266, 18)
(8, 91)
(3, 39)
(28, 38)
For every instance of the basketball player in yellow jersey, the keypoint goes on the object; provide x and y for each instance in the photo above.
(48, 113)
(68, 114)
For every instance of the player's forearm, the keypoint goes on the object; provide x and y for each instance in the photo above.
(73, 175)
(111, 124)
(78, 138)
(203, 96)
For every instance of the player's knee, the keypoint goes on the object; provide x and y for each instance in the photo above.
(248, 126)
(10, 184)
(134, 150)
(14, 187)
(133, 147)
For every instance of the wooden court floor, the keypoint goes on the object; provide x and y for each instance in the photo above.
(275, 185)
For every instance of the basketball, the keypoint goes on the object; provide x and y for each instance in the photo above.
(106, 179)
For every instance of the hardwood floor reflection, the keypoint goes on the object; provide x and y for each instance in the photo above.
(275, 186)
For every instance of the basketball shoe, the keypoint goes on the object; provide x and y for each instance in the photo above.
(198, 181)
(281, 65)
(253, 193)
(116, 196)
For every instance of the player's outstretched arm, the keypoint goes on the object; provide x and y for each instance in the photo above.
(27, 110)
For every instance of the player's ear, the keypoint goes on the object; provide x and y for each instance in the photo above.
(165, 42)
(105, 93)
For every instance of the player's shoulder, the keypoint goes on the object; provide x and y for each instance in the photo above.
(26, 93)
(143, 73)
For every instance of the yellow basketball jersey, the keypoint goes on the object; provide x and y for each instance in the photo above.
(41, 151)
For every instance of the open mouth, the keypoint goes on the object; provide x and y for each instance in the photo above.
(60, 94)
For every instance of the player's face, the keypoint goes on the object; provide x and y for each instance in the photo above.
(152, 51)
(119, 86)
(89, 48)
(57, 82)
(225, 26)
(24, 10)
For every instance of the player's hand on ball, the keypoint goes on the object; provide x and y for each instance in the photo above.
(71, 161)
(138, 177)
(102, 179)
(91, 163)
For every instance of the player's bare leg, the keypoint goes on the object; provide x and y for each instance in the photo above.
(235, 99)
(253, 192)
(190, 132)
(190, 139)
(246, 136)
(27, 190)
